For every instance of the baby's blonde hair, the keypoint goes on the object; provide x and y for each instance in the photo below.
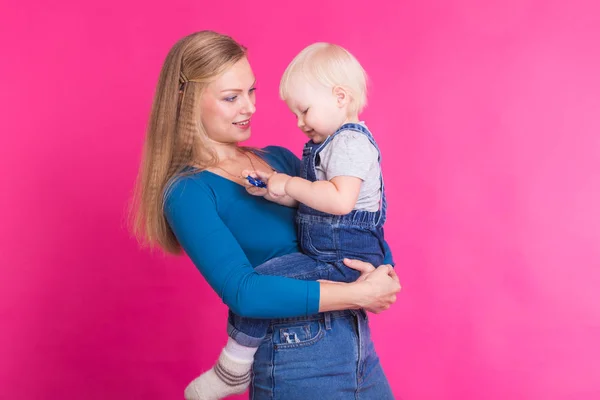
(329, 65)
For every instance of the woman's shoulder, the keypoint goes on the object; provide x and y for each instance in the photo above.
(278, 152)
(280, 158)
(191, 184)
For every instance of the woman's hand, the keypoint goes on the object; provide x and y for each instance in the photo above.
(379, 286)
(364, 268)
(275, 183)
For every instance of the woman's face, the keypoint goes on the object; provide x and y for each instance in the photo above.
(227, 104)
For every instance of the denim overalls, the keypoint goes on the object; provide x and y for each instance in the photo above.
(331, 238)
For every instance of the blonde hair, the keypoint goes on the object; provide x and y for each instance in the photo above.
(175, 138)
(329, 65)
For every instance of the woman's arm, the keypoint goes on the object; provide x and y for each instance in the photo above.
(192, 215)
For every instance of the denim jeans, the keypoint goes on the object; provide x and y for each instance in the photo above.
(325, 356)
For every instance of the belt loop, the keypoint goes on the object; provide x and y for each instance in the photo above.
(364, 314)
(327, 318)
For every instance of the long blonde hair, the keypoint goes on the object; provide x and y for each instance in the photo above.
(175, 138)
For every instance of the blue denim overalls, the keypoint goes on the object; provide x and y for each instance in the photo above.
(331, 238)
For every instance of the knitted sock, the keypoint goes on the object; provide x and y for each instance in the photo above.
(238, 351)
(230, 375)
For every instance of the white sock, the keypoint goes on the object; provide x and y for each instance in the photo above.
(230, 375)
(241, 353)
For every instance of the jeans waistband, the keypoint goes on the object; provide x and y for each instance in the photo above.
(320, 316)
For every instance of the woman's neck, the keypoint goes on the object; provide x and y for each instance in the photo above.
(226, 151)
(210, 154)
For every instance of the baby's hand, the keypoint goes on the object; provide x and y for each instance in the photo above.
(255, 190)
(276, 184)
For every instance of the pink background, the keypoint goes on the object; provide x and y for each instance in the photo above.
(487, 113)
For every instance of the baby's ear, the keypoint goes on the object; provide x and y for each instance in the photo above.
(342, 96)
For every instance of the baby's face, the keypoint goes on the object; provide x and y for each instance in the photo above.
(317, 110)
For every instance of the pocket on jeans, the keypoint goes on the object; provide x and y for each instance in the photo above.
(293, 336)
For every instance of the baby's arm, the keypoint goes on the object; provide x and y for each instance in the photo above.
(344, 164)
(286, 200)
(337, 196)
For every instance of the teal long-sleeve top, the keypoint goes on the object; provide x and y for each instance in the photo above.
(226, 233)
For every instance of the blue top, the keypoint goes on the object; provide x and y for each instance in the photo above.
(226, 232)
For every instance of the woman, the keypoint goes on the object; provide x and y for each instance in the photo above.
(192, 196)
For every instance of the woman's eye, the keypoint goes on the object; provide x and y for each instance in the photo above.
(230, 99)
(305, 111)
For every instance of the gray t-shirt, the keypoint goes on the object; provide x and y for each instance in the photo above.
(350, 153)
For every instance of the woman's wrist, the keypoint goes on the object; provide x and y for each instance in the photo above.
(360, 294)
(336, 296)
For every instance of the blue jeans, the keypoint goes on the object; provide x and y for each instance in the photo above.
(251, 331)
(327, 355)
(324, 356)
